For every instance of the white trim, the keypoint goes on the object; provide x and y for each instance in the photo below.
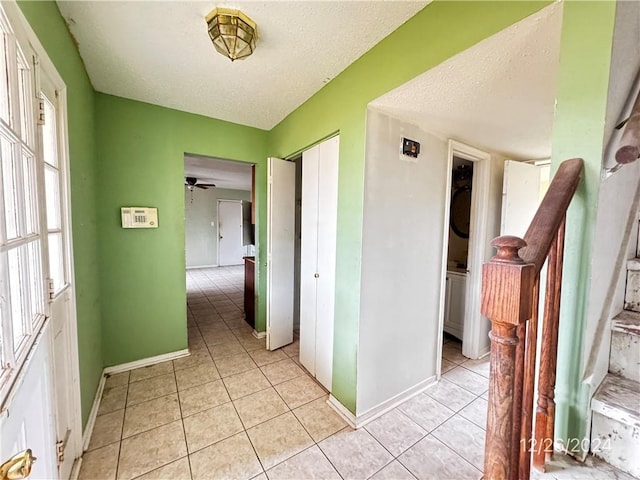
(197, 267)
(444, 260)
(359, 421)
(75, 470)
(259, 335)
(23, 30)
(341, 410)
(86, 436)
(145, 362)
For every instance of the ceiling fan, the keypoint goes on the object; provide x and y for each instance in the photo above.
(192, 182)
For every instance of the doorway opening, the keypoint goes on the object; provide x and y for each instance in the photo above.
(219, 237)
(458, 251)
(462, 327)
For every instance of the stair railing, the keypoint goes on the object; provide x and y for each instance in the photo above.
(510, 299)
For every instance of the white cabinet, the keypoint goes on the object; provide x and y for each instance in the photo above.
(318, 258)
(454, 304)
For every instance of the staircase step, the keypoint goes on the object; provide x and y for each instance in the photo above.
(618, 398)
(634, 264)
(626, 322)
(632, 293)
(624, 357)
(615, 429)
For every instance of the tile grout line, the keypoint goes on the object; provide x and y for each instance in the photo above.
(184, 430)
(124, 416)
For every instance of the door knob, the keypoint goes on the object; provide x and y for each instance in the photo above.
(317, 275)
(18, 466)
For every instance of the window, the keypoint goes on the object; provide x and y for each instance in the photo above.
(27, 231)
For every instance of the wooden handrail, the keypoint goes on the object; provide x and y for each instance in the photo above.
(510, 298)
(545, 224)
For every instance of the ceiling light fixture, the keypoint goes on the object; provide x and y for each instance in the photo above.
(232, 33)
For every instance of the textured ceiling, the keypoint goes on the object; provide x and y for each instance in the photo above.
(499, 94)
(159, 52)
(222, 173)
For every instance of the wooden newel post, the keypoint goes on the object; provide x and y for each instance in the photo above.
(507, 289)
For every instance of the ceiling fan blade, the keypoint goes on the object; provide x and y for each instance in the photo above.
(207, 184)
(204, 187)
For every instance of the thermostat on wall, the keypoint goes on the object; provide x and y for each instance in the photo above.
(139, 217)
(410, 148)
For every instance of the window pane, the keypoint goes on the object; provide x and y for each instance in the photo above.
(56, 261)
(10, 188)
(36, 280)
(52, 189)
(30, 193)
(50, 145)
(4, 84)
(16, 295)
(26, 100)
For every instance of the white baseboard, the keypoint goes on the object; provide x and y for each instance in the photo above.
(145, 362)
(75, 470)
(359, 421)
(259, 335)
(201, 266)
(88, 430)
(343, 411)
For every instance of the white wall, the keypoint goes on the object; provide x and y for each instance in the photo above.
(612, 242)
(404, 205)
(201, 223)
(401, 260)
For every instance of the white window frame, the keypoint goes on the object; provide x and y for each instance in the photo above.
(14, 356)
(12, 18)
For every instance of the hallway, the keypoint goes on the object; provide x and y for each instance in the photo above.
(235, 410)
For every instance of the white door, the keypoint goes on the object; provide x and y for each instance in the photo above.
(309, 258)
(61, 293)
(318, 258)
(520, 197)
(280, 251)
(39, 391)
(28, 422)
(230, 249)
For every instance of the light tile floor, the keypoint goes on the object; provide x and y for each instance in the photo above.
(233, 410)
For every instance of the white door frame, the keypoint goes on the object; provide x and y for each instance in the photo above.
(477, 246)
(21, 25)
(218, 224)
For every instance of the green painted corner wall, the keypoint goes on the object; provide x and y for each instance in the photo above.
(49, 26)
(578, 131)
(141, 151)
(438, 32)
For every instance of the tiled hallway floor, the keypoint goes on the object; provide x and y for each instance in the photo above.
(233, 410)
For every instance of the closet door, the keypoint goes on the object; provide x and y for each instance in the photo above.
(309, 258)
(327, 231)
(318, 258)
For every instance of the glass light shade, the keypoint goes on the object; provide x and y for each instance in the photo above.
(233, 33)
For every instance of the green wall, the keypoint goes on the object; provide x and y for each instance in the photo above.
(141, 151)
(130, 153)
(436, 33)
(578, 131)
(46, 21)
